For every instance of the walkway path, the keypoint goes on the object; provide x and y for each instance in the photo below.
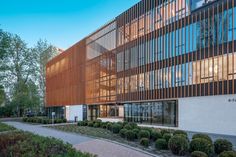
(85, 144)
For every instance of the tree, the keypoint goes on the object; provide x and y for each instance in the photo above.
(44, 52)
(17, 67)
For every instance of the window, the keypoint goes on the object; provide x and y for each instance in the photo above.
(134, 57)
(133, 83)
(127, 34)
(141, 82)
(126, 84)
(119, 86)
(159, 75)
(151, 80)
(141, 26)
(147, 86)
(141, 54)
(121, 35)
(134, 29)
(127, 59)
(120, 61)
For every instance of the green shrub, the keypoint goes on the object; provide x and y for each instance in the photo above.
(205, 136)
(64, 120)
(96, 125)
(167, 137)
(133, 125)
(128, 127)
(161, 144)
(155, 135)
(178, 145)
(136, 131)
(228, 154)
(109, 126)
(143, 134)
(90, 124)
(147, 129)
(116, 128)
(164, 131)
(144, 142)
(221, 145)
(201, 144)
(122, 132)
(103, 125)
(198, 154)
(177, 132)
(81, 123)
(130, 135)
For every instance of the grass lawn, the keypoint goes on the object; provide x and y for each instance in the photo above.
(5, 127)
(106, 134)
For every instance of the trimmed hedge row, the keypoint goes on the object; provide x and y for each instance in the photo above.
(42, 120)
(176, 141)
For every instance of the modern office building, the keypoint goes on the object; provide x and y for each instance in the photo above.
(163, 63)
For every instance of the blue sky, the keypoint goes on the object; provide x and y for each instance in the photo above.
(61, 22)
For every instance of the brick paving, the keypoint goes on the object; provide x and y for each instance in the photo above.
(99, 147)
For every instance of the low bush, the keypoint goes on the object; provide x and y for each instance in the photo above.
(130, 135)
(161, 144)
(143, 134)
(228, 154)
(180, 132)
(198, 154)
(123, 132)
(26, 144)
(109, 126)
(42, 120)
(148, 129)
(90, 124)
(178, 145)
(221, 145)
(116, 128)
(128, 127)
(103, 125)
(201, 144)
(205, 136)
(136, 131)
(164, 131)
(155, 135)
(133, 125)
(96, 125)
(144, 142)
(167, 137)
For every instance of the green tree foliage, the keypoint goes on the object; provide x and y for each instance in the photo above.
(22, 71)
(44, 52)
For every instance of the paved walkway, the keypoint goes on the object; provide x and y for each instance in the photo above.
(85, 144)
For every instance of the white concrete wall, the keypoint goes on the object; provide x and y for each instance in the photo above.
(213, 114)
(73, 111)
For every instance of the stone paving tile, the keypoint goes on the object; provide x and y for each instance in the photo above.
(108, 149)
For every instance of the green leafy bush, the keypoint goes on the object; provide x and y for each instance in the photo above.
(116, 128)
(144, 134)
(90, 124)
(147, 129)
(103, 125)
(228, 154)
(200, 135)
(96, 125)
(155, 135)
(178, 132)
(201, 144)
(178, 145)
(130, 135)
(198, 154)
(128, 127)
(133, 125)
(221, 145)
(161, 144)
(167, 137)
(144, 142)
(136, 131)
(123, 132)
(164, 131)
(109, 126)
(26, 144)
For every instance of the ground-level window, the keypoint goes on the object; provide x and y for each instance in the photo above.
(157, 113)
